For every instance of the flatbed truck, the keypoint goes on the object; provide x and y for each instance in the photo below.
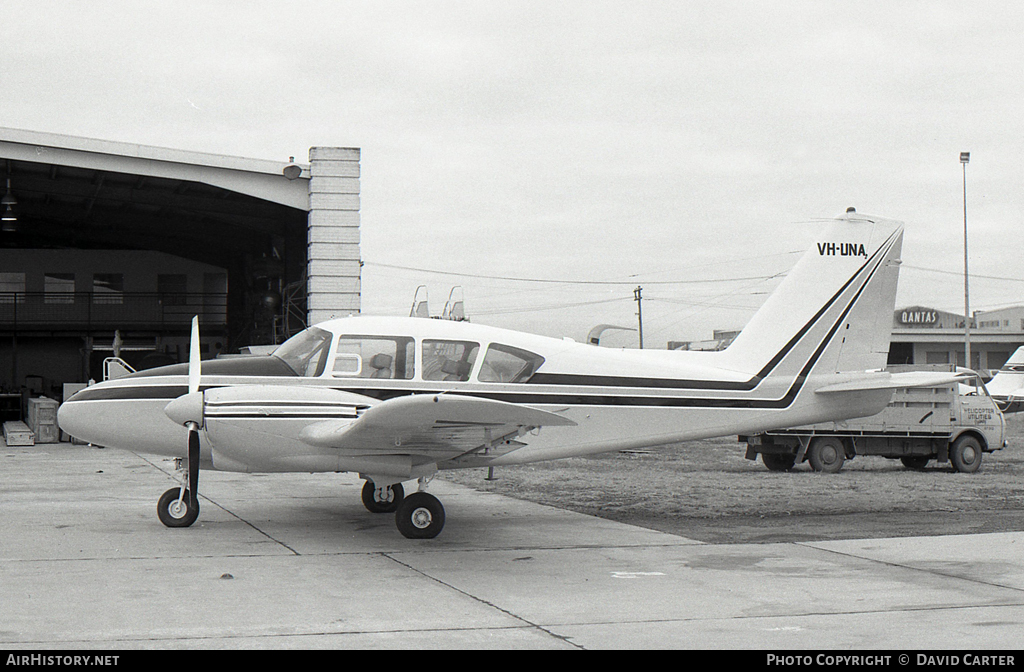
(958, 423)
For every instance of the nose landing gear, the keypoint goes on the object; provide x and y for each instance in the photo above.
(177, 507)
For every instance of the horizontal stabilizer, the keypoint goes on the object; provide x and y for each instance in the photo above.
(883, 380)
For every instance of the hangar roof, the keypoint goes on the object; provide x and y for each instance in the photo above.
(87, 193)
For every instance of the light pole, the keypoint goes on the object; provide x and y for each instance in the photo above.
(965, 158)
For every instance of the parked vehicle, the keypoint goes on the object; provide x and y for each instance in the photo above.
(957, 423)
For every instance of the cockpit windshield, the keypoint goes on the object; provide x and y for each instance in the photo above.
(306, 352)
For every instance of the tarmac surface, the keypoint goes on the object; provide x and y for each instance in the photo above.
(294, 561)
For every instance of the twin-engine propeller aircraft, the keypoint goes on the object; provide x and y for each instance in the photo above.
(397, 399)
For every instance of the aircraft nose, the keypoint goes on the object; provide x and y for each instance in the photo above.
(69, 416)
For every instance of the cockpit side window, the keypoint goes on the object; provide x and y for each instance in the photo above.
(382, 357)
(306, 352)
(448, 360)
(506, 364)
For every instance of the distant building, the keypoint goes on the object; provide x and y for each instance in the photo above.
(922, 335)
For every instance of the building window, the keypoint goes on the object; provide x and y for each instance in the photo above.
(12, 287)
(59, 288)
(108, 288)
(995, 359)
(172, 288)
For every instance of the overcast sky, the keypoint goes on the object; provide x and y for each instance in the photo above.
(640, 143)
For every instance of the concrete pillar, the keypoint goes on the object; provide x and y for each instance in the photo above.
(332, 257)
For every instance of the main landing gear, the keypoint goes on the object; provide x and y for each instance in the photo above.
(417, 516)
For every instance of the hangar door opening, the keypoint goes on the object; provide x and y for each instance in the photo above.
(109, 252)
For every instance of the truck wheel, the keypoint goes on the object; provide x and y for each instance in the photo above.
(965, 454)
(916, 462)
(778, 461)
(826, 454)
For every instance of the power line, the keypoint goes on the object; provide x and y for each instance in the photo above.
(563, 282)
(530, 309)
(959, 274)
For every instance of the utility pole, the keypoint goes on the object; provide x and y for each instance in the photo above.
(639, 313)
(965, 158)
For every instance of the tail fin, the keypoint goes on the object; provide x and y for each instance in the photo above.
(833, 312)
(1009, 380)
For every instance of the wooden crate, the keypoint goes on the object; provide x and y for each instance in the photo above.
(18, 434)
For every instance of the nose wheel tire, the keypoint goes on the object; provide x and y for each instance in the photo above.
(176, 511)
(375, 504)
(420, 516)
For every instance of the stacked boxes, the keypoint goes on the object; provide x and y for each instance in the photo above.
(42, 419)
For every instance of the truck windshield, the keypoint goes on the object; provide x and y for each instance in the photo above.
(974, 386)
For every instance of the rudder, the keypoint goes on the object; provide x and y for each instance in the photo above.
(834, 309)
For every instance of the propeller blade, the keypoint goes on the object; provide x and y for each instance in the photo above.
(194, 358)
(193, 465)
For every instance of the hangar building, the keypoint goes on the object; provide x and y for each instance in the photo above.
(109, 246)
(922, 335)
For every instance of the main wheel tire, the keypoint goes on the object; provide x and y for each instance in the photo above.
(965, 454)
(175, 513)
(826, 454)
(420, 516)
(778, 461)
(374, 505)
(915, 462)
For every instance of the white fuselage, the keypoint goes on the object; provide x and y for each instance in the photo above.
(628, 399)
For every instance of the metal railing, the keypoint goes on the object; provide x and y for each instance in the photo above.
(100, 310)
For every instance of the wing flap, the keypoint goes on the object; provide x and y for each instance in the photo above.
(440, 426)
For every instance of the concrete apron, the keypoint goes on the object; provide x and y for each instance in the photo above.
(295, 561)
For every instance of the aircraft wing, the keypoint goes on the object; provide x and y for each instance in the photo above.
(439, 425)
(884, 380)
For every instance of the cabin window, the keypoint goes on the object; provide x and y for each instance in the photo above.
(505, 364)
(448, 360)
(383, 357)
(306, 352)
